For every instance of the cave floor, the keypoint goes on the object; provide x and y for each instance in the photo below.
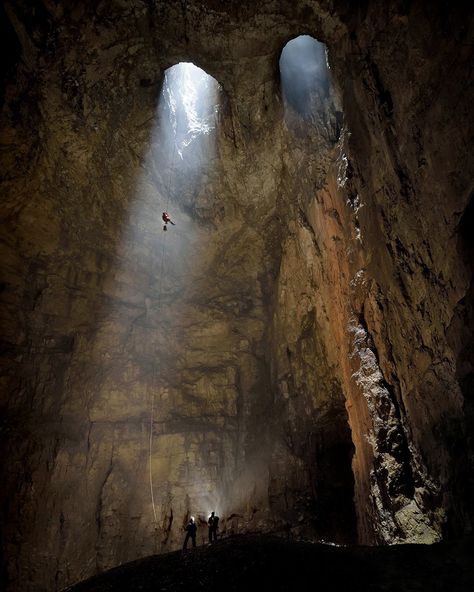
(270, 563)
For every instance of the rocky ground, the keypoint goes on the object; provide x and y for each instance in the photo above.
(271, 563)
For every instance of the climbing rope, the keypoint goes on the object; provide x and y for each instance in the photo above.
(155, 360)
(154, 376)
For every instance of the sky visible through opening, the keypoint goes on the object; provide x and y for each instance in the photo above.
(190, 101)
(304, 74)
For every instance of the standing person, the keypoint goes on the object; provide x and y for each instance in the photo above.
(191, 529)
(213, 524)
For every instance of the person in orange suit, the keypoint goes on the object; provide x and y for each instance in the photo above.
(166, 218)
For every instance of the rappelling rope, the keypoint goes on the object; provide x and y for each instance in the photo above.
(155, 363)
(160, 276)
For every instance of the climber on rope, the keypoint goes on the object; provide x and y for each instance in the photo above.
(165, 217)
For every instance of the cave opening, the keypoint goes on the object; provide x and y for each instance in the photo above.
(184, 144)
(304, 75)
(191, 103)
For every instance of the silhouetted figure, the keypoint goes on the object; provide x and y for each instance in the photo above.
(165, 217)
(191, 529)
(213, 524)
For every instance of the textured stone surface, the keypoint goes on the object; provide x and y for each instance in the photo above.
(412, 181)
(312, 311)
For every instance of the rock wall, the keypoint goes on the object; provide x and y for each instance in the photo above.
(310, 310)
(411, 181)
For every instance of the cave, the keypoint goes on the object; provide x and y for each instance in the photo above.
(293, 347)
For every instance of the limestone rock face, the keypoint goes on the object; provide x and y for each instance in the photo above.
(296, 353)
(410, 180)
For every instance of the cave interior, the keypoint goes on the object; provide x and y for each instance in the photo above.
(294, 349)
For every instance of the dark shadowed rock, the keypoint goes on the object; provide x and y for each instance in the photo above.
(269, 563)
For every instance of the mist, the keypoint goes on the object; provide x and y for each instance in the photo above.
(304, 74)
